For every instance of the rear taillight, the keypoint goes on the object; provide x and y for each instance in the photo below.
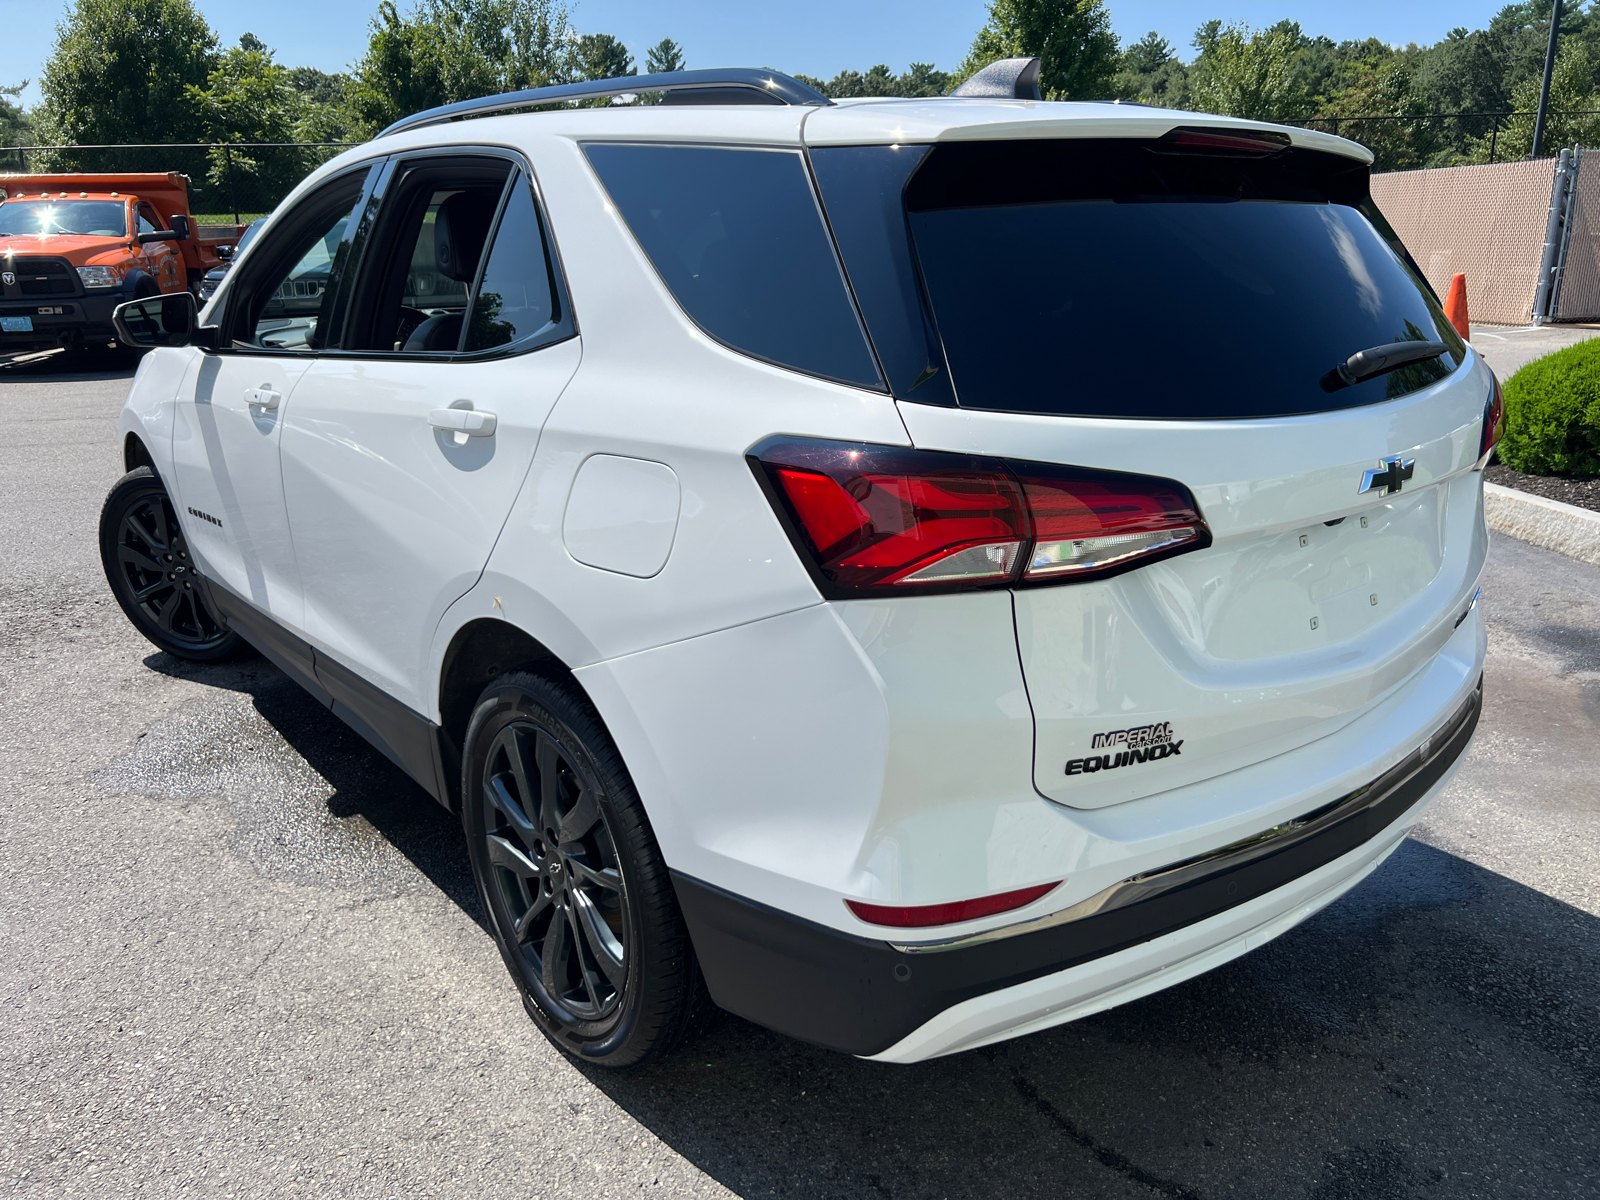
(1494, 425)
(1090, 522)
(885, 520)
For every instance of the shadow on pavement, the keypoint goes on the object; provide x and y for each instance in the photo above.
(1434, 1033)
(69, 366)
(364, 783)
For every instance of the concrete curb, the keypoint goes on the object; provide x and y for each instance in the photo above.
(1549, 523)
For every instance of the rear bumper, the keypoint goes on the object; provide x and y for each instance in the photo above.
(907, 1002)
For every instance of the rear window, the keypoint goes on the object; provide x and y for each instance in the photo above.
(1121, 278)
(737, 236)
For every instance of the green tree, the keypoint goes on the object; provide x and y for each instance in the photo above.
(601, 56)
(922, 79)
(124, 70)
(665, 55)
(449, 50)
(1078, 52)
(318, 87)
(1572, 91)
(250, 99)
(1151, 73)
(1244, 72)
(16, 125)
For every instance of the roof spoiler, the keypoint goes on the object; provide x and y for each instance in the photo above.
(1009, 78)
(731, 85)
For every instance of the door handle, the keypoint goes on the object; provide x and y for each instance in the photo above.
(263, 398)
(470, 421)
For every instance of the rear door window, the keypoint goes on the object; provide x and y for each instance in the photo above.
(737, 236)
(458, 262)
(1130, 278)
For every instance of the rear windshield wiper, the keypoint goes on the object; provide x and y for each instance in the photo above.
(1380, 360)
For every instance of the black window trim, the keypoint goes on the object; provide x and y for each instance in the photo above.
(800, 151)
(559, 331)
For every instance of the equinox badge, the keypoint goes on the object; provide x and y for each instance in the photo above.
(1390, 477)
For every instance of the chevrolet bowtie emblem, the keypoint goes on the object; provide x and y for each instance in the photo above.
(9, 277)
(1390, 477)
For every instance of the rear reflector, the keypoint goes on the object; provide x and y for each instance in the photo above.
(1494, 425)
(886, 520)
(918, 916)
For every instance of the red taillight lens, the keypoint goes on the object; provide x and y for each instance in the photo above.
(917, 916)
(1494, 425)
(1088, 522)
(884, 520)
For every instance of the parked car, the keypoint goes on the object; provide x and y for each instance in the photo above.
(916, 571)
(75, 246)
(214, 277)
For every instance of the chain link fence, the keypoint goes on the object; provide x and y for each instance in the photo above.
(229, 183)
(1408, 142)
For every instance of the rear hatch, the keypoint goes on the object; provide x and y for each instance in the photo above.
(1178, 307)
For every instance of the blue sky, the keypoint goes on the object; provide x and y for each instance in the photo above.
(820, 38)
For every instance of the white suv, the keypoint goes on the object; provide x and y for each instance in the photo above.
(916, 572)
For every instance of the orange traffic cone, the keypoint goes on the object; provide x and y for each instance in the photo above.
(1455, 306)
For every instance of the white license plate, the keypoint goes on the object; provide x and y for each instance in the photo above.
(16, 324)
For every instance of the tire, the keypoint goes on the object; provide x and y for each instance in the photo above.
(152, 575)
(586, 920)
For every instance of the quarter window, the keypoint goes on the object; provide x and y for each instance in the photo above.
(515, 299)
(737, 236)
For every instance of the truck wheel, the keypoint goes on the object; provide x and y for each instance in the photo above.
(152, 574)
(568, 870)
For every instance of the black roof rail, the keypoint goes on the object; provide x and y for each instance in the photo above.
(721, 85)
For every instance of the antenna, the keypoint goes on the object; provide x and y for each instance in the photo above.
(1011, 78)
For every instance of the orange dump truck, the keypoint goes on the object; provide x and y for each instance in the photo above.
(73, 247)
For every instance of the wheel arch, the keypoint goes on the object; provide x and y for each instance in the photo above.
(480, 651)
(136, 279)
(136, 454)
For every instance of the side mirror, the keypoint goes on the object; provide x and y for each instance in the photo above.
(180, 226)
(159, 235)
(172, 320)
(224, 252)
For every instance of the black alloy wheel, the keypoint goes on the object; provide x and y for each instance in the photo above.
(152, 574)
(568, 870)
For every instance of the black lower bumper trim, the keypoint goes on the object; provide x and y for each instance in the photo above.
(862, 995)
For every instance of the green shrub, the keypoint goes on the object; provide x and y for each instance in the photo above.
(1553, 414)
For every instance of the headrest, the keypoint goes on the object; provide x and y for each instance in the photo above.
(460, 228)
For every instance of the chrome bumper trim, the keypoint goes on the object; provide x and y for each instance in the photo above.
(1140, 888)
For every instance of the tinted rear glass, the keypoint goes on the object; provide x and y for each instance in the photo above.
(738, 238)
(1111, 278)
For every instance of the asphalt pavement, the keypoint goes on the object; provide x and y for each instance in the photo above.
(240, 955)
